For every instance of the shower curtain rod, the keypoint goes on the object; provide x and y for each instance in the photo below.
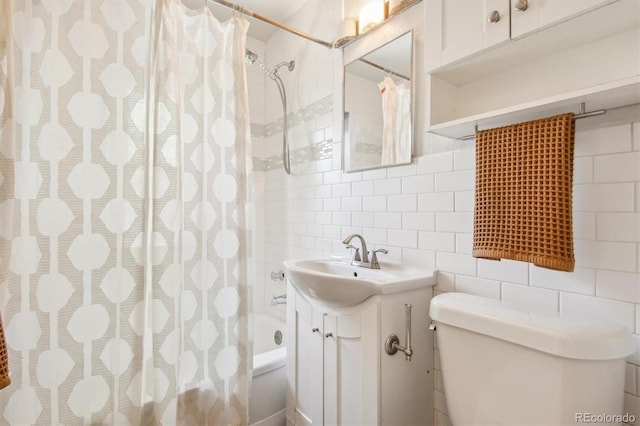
(270, 21)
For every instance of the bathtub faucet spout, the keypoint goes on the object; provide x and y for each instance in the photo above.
(279, 300)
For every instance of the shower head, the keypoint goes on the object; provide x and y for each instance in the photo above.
(250, 56)
(290, 65)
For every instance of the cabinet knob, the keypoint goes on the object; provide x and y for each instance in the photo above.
(327, 335)
(315, 330)
(494, 17)
(521, 5)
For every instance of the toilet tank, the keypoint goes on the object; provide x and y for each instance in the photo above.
(505, 366)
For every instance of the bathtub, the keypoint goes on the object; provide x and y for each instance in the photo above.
(268, 392)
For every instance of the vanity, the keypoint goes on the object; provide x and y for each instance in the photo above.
(360, 350)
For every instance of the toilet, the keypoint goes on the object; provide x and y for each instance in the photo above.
(505, 366)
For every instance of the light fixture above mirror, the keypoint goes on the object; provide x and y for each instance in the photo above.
(360, 16)
(371, 14)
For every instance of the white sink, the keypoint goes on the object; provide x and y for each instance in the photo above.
(338, 283)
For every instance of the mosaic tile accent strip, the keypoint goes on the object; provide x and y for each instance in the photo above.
(319, 151)
(304, 114)
(368, 148)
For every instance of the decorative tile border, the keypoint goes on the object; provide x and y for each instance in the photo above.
(304, 114)
(368, 148)
(319, 151)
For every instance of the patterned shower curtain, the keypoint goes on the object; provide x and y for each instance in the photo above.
(125, 212)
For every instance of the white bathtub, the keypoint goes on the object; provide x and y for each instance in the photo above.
(268, 392)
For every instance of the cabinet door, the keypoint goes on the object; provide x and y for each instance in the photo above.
(542, 13)
(305, 361)
(351, 365)
(459, 28)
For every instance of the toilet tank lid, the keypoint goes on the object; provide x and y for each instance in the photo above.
(559, 335)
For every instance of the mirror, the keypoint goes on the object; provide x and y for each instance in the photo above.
(378, 106)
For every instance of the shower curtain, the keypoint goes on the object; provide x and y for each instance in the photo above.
(125, 214)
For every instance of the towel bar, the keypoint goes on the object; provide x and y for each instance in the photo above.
(581, 114)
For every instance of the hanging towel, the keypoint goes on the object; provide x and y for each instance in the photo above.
(396, 121)
(5, 380)
(389, 93)
(523, 199)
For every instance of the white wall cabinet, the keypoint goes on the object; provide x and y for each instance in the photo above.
(338, 372)
(543, 13)
(559, 53)
(460, 28)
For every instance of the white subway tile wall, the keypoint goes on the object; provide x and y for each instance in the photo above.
(423, 213)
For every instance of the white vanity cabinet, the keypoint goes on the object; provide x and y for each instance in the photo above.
(338, 372)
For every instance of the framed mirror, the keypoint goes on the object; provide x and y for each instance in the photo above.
(378, 106)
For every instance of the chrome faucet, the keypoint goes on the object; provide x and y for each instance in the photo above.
(364, 261)
(365, 253)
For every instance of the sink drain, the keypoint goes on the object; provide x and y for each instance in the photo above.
(277, 337)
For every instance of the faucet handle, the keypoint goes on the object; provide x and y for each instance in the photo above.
(374, 257)
(356, 256)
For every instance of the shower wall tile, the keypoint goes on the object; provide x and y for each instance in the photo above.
(583, 170)
(464, 243)
(616, 256)
(622, 286)
(402, 238)
(400, 171)
(437, 241)
(417, 184)
(436, 163)
(388, 186)
(402, 203)
(605, 140)
(598, 308)
(617, 167)
(480, 287)
(436, 202)
(454, 222)
(530, 298)
(581, 280)
(419, 221)
(584, 226)
(455, 181)
(608, 197)
(504, 270)
(618, 227)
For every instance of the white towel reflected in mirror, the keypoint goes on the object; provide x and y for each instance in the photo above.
(396, 117)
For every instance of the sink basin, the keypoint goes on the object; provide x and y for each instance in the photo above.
(338, 283)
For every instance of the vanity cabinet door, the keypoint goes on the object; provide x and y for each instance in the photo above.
(542, 13)
(460, 28)
(305, 405)
(351, 365)
(333, 364)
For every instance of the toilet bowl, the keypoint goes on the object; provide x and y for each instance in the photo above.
(504, 366)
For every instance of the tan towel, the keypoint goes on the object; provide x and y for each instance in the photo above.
(4, 360)
(523, 200)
